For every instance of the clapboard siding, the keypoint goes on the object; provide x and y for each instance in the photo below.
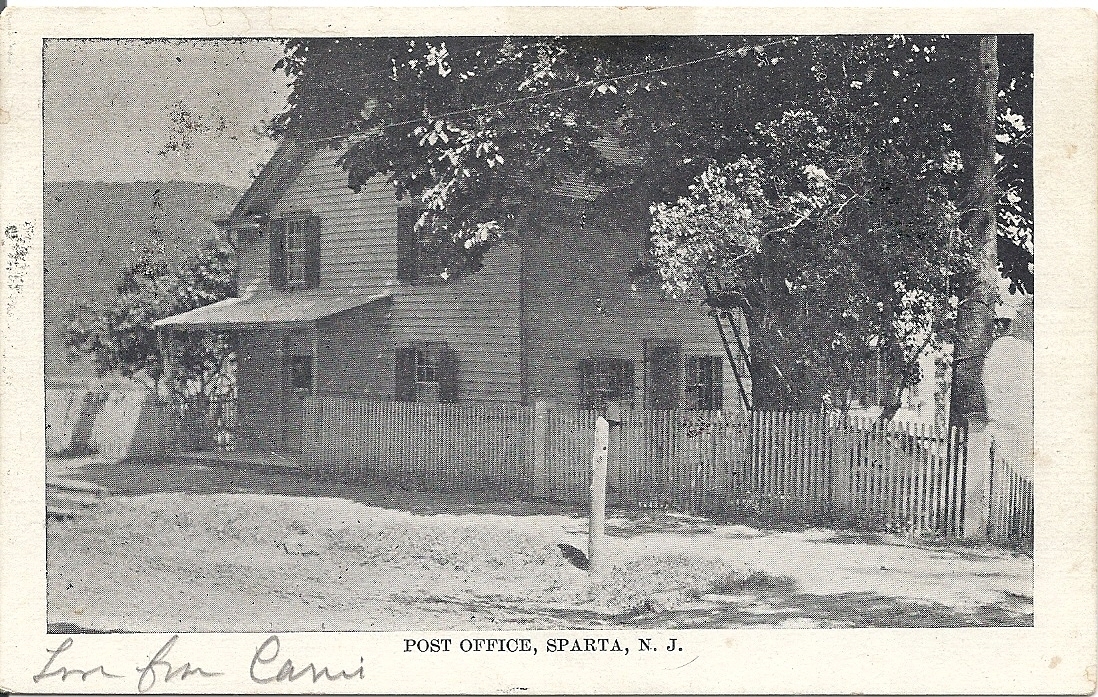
(578, 303)
(357, 230)
(519, 327)
(478, 317)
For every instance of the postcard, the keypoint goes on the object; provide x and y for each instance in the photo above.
(551, 350)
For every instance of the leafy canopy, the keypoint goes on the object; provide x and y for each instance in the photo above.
(121, 336)
(815, 183)
(471, 125)
(808, 241)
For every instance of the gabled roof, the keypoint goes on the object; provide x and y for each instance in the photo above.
(286, 163)
(271, 307)
(292, 155)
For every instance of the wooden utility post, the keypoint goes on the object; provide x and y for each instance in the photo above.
(978, 454)
(596, 535)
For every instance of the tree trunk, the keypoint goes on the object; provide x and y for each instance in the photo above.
(769, 388)
(979, 296)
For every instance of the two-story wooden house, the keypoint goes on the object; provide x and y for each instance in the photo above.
(340, 296)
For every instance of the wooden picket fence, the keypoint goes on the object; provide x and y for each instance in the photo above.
(1011, 509)
(772, 466)
(450, 446)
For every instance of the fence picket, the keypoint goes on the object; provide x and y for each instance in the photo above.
(906, 476)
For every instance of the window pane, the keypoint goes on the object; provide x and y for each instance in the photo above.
(295, 251)
(606, 380)
(427, 364)
(701, 376)
(301, 373)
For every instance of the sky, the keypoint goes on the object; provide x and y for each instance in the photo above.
(109, 109)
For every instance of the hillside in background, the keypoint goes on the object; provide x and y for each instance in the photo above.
(94, 230)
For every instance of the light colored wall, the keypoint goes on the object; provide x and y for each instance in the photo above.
(579, 302)
(358, 231)
(564, 297)
(478, 317)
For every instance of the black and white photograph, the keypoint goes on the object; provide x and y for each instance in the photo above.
(556, 335)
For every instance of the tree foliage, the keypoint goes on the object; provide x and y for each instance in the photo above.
(818, 184)
(121, 336)
(807, 240)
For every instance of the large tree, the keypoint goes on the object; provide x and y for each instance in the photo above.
(121, 336)
(855, 148)
(836, 260)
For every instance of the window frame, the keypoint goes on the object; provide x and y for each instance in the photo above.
(296, 257)
(616, 373)
(426, 364)
(426, 372)
(703, 382)
(295, 241)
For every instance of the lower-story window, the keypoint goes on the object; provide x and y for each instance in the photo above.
(704, 383)
(301, 373)
(426, 372)
(604, 380)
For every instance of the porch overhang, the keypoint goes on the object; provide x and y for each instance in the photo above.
(269, 307)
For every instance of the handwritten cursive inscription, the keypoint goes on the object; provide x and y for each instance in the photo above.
(267, 653)
(64, 672)
(148, 673)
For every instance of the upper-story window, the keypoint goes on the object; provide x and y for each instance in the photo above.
(295, 251)
(419, 253)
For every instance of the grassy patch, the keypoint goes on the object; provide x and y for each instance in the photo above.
(757, 582)
(654, 583)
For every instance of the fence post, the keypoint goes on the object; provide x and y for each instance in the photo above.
(977, 494)
(540, 473)
(840, 467)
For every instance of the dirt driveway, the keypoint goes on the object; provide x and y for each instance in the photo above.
(183, 547)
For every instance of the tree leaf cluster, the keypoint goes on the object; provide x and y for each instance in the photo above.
(120, 333)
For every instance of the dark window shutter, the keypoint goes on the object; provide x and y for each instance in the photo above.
(587, 383)
(405, 373)
(626, 381)
(312, 264)
(447, 374)
(276, 230)
(651, 398)
(406, 243)
(717, 371)
(693, 392)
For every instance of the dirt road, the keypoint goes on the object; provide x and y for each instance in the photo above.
(189, 548)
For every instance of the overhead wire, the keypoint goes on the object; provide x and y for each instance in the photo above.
(741, 51)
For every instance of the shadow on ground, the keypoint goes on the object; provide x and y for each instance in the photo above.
(802, 611)
(139, 477)
(968, 550)
(136, 477)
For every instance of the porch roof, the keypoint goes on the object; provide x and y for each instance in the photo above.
(271, 307)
